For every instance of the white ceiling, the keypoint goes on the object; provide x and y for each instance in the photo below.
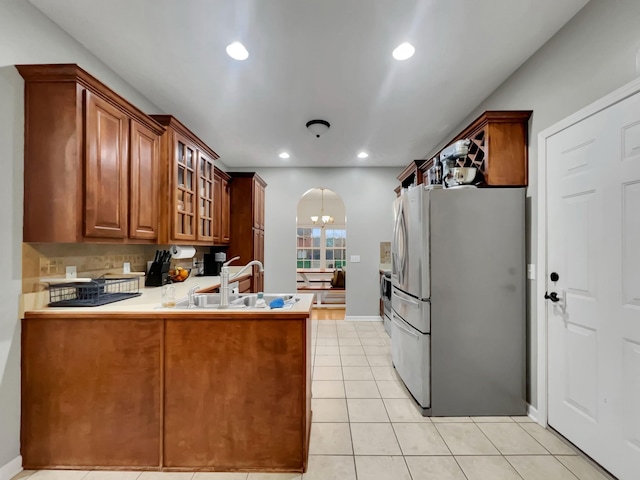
(327, 59)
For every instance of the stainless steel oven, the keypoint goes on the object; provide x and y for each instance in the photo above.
(385, 296)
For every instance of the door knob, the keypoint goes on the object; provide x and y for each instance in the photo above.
(553, 296)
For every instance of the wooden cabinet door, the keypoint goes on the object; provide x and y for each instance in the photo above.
(258, 254)
(261, 258)
(225, 210)
(185, 190)
(258, 244)
(255, 196)
(260, 211)
(258, 205)
(144, 175)
(106, 169)
(107, 374)
(221, 418)
(205, 198)
(217, 209)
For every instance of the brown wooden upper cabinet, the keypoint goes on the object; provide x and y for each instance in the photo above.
(499, 150)
(206, 207)
(222, 208)
(258, 198)
(106, 169)
(145, 176)
(225, 218)
(247, 228)
(187, 206)
(90, 160)
(411, 175)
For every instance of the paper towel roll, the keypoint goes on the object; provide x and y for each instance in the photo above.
(182, 252)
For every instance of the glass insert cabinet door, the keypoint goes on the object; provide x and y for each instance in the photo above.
(185, 191)
(205, 197)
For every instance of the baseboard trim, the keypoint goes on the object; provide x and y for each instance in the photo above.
(532, 413)
(355, 318)
(11, 469)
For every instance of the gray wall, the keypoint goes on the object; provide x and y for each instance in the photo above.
(595, 53)
(26, 36)
(368, 196)
(11, 143)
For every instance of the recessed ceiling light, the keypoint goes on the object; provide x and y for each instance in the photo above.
(404, 51)
(363, 155)
(237, 51)
(284, 155)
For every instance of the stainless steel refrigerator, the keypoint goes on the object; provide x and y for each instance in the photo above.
(458, 300)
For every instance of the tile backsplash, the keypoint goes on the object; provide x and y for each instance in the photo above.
(91, 260)
(385, 252)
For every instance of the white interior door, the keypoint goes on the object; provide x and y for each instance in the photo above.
(593, 211)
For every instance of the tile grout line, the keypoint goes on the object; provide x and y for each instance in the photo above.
(504, 457)
(344, 386)
(346, 401)
(534, 438)
(395, 435)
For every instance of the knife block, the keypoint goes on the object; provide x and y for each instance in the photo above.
(158, 274)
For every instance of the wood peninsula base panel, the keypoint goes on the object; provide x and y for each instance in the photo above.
(235, 395)
(91, 393)
(226, 394)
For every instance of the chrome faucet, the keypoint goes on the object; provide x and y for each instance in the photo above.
(190, 295)
(224, 278)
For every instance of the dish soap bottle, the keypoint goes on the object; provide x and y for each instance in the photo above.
(260, 303)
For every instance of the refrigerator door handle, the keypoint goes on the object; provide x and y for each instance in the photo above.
(395, 253)
(401, 236)
(402, 327)
(407, 300)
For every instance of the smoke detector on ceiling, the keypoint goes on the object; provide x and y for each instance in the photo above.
(318, 127)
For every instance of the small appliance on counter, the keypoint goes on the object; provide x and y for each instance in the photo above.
(452, 174)
(158, 274)
(434, 174)
(213, 263)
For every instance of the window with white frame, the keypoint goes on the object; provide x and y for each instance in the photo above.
(321, 247)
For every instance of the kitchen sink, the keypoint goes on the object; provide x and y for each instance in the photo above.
(236, 301)
(208, 300)
(251, 299)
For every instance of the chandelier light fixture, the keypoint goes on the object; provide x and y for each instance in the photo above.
(322, 217)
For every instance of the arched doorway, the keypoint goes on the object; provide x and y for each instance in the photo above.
(321, 246)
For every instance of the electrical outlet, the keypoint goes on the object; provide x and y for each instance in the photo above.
(531, 271)
(126, 267)
(355, 258)
(71, 272)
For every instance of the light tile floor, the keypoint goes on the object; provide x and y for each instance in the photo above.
(366, 427)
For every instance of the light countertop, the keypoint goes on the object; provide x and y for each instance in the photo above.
(150, 302)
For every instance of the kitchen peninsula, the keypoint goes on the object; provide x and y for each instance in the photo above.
(197, 389)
